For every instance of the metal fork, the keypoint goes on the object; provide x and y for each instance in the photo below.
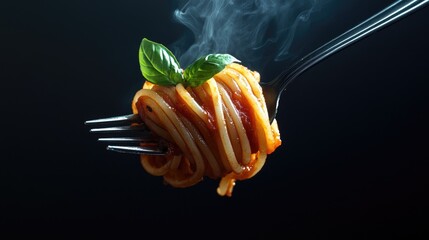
(131, 130)
(133, 125)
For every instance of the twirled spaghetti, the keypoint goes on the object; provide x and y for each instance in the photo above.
(219, 129)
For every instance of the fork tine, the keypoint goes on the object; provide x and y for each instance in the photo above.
(126, 139)
(137, 150)
(140, 127)
(130, 118)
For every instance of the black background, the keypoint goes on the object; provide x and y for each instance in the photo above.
(354, 129)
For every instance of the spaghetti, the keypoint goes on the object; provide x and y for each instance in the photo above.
(219, 129)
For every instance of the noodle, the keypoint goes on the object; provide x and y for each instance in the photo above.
(219, 129)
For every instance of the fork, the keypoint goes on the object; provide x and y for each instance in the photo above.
(132, 128)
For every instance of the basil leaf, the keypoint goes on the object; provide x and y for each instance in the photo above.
(158, 64)
(205, 68)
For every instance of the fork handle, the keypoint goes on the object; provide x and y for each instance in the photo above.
(390, 14)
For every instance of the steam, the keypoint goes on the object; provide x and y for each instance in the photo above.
(252, 30)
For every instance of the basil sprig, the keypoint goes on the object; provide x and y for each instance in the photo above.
(159, 66)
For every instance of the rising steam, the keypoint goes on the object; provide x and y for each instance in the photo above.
(253, 30)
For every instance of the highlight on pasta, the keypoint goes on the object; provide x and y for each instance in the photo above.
(217, 129)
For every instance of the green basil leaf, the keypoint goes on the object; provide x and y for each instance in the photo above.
(158, 64)
(205, 68)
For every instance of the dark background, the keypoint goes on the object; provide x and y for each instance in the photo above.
(354, 129)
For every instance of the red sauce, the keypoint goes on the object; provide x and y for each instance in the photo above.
(246, 115)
